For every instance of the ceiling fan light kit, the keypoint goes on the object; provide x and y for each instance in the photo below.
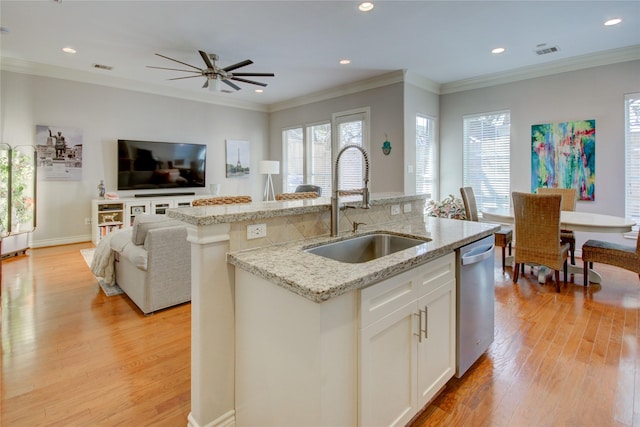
(214, 74)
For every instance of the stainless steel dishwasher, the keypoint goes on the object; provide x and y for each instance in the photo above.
(475, 302)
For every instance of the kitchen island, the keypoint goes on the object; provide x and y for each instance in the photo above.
(308, 290)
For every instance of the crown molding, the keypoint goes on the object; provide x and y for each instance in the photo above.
(421, 82)
(342, 90)
(613, 56)
(44, 70)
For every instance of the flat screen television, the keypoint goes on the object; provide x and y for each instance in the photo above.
(158, 165)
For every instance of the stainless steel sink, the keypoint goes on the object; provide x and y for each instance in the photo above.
(366, 247)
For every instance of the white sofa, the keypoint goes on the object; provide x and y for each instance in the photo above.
(153, 262)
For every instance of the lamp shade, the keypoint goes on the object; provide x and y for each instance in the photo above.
(270, 167)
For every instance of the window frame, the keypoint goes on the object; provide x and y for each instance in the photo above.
(490, 193)
(632, 159)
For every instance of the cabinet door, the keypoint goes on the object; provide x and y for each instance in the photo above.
(388, 369)
(437, 347)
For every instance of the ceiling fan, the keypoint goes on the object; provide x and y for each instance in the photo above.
(214, 74)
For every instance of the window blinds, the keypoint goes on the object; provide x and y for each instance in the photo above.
(486, 158)
(424, 155)
(632, 157)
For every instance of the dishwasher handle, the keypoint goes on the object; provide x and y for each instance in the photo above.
(477, 254)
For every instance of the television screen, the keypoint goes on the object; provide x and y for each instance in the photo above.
(154, 165)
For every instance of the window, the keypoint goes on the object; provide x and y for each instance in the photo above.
(425, 152)
(293, 168)
(351, 129)
(486, 158)
(307, 153)
(632, 157)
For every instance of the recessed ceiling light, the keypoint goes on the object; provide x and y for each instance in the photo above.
(68, 50)
(366, 6)
(345, 61)
(259, 90)
(614, 21)
(498, 50)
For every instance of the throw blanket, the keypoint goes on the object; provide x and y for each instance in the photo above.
(103, 263)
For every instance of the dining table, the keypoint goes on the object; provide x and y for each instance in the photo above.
(574, 221)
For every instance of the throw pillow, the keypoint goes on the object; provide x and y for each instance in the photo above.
(144, 223)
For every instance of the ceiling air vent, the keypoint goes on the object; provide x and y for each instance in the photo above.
(103, 67)
(543, 49)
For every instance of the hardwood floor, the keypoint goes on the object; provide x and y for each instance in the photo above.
(74, 357)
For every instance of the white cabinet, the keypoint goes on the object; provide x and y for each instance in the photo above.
(373, 357)
(407, 342)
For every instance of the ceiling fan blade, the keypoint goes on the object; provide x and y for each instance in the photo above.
(179, 62)
(233, 85)
(249, 81)
(206, 59)
(180, 78)
(238, 65)
(175, 69)
(254, 74)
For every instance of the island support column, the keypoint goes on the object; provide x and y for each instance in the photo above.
(212, 328)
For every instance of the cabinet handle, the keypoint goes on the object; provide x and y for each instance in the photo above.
(426, 322)
(419, 334)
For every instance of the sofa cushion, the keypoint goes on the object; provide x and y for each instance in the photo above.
(144, 223)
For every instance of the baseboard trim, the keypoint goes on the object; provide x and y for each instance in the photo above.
(43, 243)
(226, 420)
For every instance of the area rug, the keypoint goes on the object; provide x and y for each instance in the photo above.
(108, 290)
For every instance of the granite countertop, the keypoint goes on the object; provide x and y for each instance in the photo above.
(220, 214)
(318, 279)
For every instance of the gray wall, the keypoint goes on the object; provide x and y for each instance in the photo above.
(593, 93)
(386, 106)
(104, 115)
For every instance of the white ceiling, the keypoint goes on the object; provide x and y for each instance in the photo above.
(302, 41)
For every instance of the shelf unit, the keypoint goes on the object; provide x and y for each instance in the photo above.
(107, 216)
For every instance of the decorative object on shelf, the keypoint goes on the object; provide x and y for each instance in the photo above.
(386, 146)
(449, 207)
(101, 189)
(238, 158)
(59, 153)
(269, 167)
(111, 196)
(563, 155)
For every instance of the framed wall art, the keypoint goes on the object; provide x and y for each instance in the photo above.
(563, 155)
(238, 158)
(59, 152)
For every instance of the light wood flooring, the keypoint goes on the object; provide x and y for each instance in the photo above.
(74, 357)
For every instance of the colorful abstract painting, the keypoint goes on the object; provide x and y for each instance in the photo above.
(563, 155)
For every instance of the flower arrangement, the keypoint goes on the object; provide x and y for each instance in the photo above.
(449, 207)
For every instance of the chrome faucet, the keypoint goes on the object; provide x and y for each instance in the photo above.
(336, 192)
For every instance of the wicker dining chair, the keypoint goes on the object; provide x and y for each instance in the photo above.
(537, 218)
(502, 237)
(222, 200)
(297, 196)
(623, 256)
(569, 196)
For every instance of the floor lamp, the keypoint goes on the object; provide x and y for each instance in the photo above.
(269, 167)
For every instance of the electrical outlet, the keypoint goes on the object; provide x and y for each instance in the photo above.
(406, 208)
(395, 209)
(87, 221)
(255, 231)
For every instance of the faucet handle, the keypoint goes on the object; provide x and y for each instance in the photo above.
(356, 224)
